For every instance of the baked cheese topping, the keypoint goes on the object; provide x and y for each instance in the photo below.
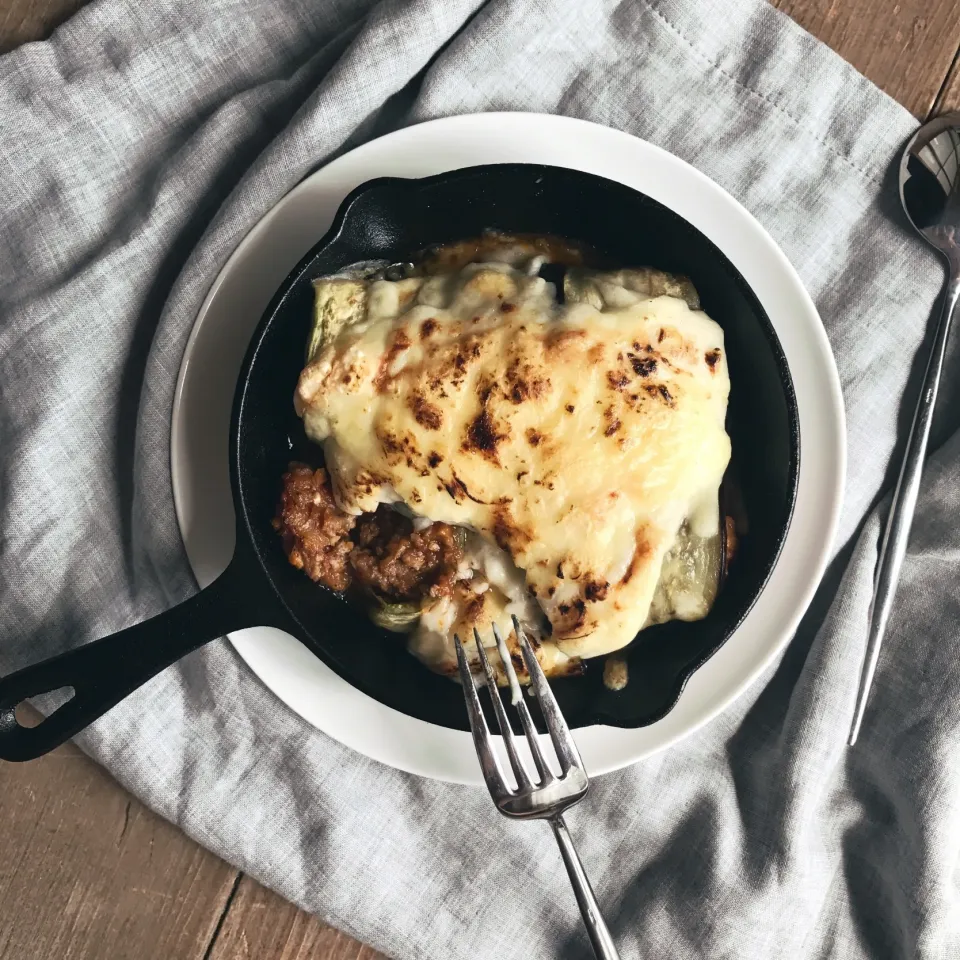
(581, 439)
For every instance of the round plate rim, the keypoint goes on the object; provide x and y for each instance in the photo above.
(326, 701)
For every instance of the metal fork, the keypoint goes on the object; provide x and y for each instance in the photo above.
(550, 795)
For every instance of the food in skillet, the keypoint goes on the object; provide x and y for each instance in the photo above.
(490, 451)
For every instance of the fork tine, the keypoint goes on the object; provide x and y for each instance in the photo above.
(519, 770)
(478, 726)
(533, 738)
(563, 741)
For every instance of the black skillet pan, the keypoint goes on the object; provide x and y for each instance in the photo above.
(393, 219)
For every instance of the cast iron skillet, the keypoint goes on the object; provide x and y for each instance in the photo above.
(393, 219)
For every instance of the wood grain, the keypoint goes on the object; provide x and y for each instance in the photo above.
(949, 98)
(88, 873)
(261, 925)
(25, 20)
(904, 47)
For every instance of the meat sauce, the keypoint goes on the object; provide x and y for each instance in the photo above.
(379, 551)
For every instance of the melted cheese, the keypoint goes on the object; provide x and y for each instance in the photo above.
(578, 438)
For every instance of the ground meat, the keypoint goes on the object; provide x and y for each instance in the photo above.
(380, 551)
(315, 531)
(400, 563)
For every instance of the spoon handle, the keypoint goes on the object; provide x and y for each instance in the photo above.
(897, 531)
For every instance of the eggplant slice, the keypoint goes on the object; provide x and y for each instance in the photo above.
(605, 289)
(338, 303)
(395, 617)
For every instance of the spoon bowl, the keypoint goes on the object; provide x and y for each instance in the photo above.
(930, 184)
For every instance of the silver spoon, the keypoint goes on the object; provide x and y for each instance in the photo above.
(930, 194)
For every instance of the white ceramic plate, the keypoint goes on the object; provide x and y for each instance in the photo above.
(201, 421)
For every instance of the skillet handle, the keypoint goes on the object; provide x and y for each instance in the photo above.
(105, 671)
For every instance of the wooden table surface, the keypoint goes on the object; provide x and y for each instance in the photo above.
(85, 870)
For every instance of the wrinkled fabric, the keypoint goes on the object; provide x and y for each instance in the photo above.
(139, 146)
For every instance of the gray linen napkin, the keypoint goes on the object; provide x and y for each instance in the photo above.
(143, 141)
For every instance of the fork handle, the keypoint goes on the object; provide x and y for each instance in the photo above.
(603, 945)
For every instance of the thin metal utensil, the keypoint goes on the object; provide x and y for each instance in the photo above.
(930, 194)
(548, 796)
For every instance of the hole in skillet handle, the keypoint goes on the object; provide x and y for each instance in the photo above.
(100, 674)
(28, 717)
